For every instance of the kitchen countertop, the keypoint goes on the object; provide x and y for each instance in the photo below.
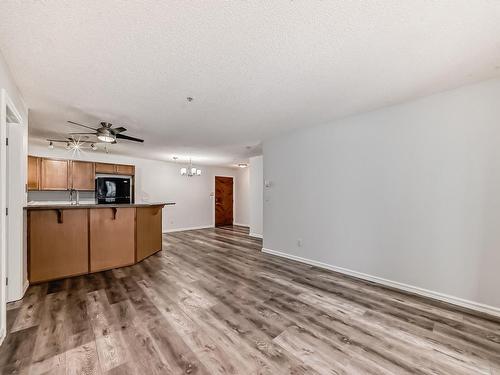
(67, 205)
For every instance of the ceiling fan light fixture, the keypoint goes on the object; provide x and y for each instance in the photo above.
(183, 171)
(108, 138)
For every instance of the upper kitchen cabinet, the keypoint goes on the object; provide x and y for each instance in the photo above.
(82, 175)
(125, 169)
(33, 173)
(107, 168)
(104, 168)
(54, 174)
(57, 174)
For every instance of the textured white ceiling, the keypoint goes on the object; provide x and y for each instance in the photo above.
(254, 68)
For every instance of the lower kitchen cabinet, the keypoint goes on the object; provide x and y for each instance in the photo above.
(64, 242)
(112, 238)
(149, 231)
(58, 244)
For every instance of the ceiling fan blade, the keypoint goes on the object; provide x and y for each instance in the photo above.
(120, 129)
(85, 126)
(122, 136)
(83, 133)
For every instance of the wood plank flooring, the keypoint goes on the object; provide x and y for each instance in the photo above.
(212, 303)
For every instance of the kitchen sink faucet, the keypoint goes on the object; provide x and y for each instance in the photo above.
(71, 192)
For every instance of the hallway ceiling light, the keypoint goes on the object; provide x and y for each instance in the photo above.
(242, 165)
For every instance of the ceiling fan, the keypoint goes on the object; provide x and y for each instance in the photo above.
(106, 133)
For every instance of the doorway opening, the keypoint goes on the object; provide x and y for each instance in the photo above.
(223, 201)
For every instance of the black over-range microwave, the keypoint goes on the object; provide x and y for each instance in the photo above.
(113, 190)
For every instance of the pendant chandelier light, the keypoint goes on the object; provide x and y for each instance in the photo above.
(190, 171)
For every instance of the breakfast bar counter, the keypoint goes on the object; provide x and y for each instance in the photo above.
(67, 240)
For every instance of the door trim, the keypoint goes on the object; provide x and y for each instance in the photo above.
(8, 114)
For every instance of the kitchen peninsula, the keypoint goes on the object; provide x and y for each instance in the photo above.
(68, 240)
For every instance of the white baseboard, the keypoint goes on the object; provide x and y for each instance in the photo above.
(255, 235)
(476, 306)
(241, 225)
(188, 228)
(19, 294)
(26, 286)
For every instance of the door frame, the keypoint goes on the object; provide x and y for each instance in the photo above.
(213, 200)
(8, 114)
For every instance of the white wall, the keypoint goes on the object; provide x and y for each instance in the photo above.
(256, 196)
(242, 198)
(409, 193)
(161, 181)
(11, 265)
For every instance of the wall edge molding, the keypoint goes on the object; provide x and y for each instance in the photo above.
(457, 301)
(256, 235)
(186, 228)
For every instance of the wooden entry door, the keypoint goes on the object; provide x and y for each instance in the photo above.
(223, 201)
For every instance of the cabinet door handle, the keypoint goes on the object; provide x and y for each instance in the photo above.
(114, 212)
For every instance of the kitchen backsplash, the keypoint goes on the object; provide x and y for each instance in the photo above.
(44, 196)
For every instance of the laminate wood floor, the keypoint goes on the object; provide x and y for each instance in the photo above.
(212, 303)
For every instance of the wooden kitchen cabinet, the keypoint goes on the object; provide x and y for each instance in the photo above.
(33, 182)
(69, 241)
(149, 231)
(58, 244)
(104, 168)
(54, 174)
(125, 169)
(82, 175)
(112, 238)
